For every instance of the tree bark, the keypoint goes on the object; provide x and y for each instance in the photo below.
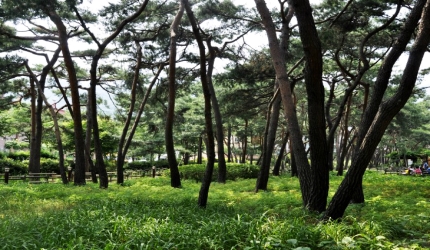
(229, 157)
(269, 140)
(284, 85)
(315, 98)
(373, 129)
(53, 114)
(100, 165)
(175, 178)
(222, 168)
(277, 167)
(34, 163)
(79, 176)
(245, 143)
(210, 141)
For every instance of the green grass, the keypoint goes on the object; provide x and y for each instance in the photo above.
(147, 214)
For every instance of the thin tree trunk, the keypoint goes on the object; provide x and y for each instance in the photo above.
(33, 140)
(229, 156)
(54, 116)
(272, 119)
(175, 179)
(245, 143)
(222, 168)
(277, 167)
(200, 151)
(210, 142)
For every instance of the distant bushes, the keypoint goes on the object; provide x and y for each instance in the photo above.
(234, 171)
(145, 165)
(15, 167)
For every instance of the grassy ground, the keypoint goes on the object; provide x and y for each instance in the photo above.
(147, 214)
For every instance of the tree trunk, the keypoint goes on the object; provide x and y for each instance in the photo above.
(200, 151)
(278, 60)
(281, 154)
(34, 156)
(79, 177)
(245, 143)
(345, 136)
(269, 140)
(222, 168)
(186, 158)
(121, 154)
(382, 112)
(100, 165)
(293, 163)
(175, 178)
(315, 97)
(53, 114)
(229, 156)
(210, 141)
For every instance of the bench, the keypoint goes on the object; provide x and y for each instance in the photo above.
(37, 178)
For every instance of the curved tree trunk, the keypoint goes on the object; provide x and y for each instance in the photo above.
(269, 140)
(210, 142)
(222, 168)
(385, 110)
(79, 177)
(100, 165)
(53, 114)
(286, 94)
(315, 97)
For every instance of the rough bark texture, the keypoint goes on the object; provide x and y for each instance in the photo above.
(79, 176)
(315, 98)
(284, 85)
(382, 112)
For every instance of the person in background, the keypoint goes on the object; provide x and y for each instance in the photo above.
(425, 165)
(418, 170)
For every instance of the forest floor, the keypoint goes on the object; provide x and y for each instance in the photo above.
(147, 213)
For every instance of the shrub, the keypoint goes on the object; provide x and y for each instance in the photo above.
(110, 165)
(47, 154)
(15, 167)
(161, 164)
(234, 171)
(49, 166)
(19, 155)
(138, 165)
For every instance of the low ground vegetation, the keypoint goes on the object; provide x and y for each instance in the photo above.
(146, 213)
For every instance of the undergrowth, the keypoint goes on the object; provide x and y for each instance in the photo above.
(147, 213)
